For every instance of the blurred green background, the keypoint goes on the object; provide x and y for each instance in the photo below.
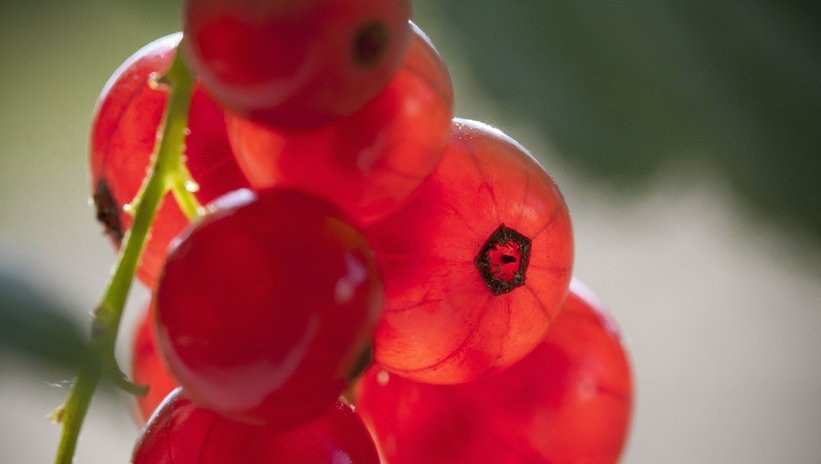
(685, 135)
(626, 88)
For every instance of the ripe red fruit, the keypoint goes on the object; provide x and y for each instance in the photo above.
(477, 263)
(182, 433)
(296, 63)
(266, 305)
(124, 131)
(366, 163)
(148, 369)
(569, 401)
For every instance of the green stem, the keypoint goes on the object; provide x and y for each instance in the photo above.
(183, 188)
(167, 168)
(74, 409)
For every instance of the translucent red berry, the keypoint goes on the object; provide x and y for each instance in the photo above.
(266, 305)
(124, 132)
(148, 369)
(296, 63)
(182, 433)
(475, 265)
(569, 401)
(370, 161)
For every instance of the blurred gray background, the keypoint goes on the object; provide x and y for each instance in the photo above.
(685, 136)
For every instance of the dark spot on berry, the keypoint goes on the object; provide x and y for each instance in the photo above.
(502, 261)
(108, 213)
(370, 43)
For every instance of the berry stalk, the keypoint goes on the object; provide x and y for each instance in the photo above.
(167, 174)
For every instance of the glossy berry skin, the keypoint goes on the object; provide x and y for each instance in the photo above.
(567, 402)
(148, 369)
(182, 433)
(266, 306)
(370, 161)
(123, 135)
(296, 63)
(476, 265)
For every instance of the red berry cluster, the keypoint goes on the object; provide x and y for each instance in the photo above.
(350, 222)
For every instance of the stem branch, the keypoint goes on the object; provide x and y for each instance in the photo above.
(167, 169)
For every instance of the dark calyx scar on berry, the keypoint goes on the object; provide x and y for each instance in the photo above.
(107, 212)
(370, 42)
(502, 261)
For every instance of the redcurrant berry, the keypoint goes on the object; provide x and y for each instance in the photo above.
(182, 433)
(296, 63)
(477, 263)
(369, 162)
(124, 131)
(148, 369)
(569, 401)
(266, 305)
